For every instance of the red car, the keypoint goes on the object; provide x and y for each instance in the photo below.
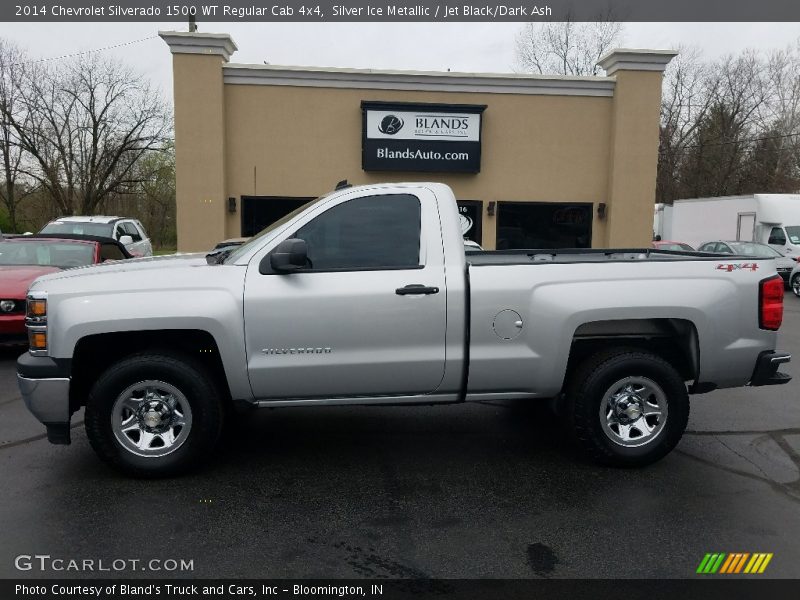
(23, 259)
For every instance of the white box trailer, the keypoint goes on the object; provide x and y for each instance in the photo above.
(772, 219)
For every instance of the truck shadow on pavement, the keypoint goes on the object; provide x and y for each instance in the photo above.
(473, 490)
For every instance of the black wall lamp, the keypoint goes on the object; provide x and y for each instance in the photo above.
(490, 208)
(231, 205)
(601, 210)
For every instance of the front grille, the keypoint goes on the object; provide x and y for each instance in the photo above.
(19, 307)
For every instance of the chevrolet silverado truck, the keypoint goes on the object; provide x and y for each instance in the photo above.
(365, 296)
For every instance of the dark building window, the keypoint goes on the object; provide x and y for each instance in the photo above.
(372, 232)
(543, 225)
(259, 212)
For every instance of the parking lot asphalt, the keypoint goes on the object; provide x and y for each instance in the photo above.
(479, 490)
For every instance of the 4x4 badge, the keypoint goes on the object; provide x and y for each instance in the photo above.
(737, 266)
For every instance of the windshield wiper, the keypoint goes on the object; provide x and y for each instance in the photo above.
(218, 255)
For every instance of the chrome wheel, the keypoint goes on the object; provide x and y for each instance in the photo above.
(151, 418)
(633, 411)
(796, 285)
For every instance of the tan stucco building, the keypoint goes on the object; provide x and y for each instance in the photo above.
(561, 161)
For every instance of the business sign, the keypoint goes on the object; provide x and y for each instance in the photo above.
(400, 136)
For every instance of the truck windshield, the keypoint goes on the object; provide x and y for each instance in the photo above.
(793, 233)
(254, 242)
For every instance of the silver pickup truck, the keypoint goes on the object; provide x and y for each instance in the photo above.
(366, 296)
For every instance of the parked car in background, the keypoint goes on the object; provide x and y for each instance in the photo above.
(231, 242)
(784, 264)
(668, 245)
(772, 219)
(128, 232)
(226, 246)
(470, 246)
(794, 280)
(23, 259)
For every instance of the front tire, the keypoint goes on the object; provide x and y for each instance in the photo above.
(154, 415)
(627, 408)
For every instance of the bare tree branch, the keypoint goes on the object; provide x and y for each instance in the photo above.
(568, 47)
(90, 121)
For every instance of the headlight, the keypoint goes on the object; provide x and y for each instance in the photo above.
(7, 305)
(36, 311)
(36, 322)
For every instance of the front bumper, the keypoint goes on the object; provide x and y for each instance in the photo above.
(44, 386)
(766, 371)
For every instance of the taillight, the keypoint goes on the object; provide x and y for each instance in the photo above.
(770, 303)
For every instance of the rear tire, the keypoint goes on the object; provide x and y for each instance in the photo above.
(627, 408)
(154, 415)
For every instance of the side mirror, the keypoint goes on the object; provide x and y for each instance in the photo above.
(290, 255)
(125, 240)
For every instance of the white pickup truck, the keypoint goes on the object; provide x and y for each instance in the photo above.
(366, 296)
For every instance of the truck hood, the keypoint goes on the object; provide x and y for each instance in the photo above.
(138, 267)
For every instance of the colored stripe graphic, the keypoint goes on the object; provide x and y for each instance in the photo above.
(728, 562)
(764, 564)
(755, 563)
(717, 564)
(758, 563)
(702, 567)
(741, 562)
(735, 562)
(711, 562)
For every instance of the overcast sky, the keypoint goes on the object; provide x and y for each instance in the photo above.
(470, 47)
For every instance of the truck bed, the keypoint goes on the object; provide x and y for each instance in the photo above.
(582, 255)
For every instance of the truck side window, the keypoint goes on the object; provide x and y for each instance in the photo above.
(776, 236)
(371, 232)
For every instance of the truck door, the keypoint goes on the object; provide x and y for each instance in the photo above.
(366, 317)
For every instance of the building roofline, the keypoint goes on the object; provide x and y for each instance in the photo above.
(193, 42)
(497, 83)
(633, 59)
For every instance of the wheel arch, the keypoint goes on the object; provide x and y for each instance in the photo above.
(95, 353)
(672, 339)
